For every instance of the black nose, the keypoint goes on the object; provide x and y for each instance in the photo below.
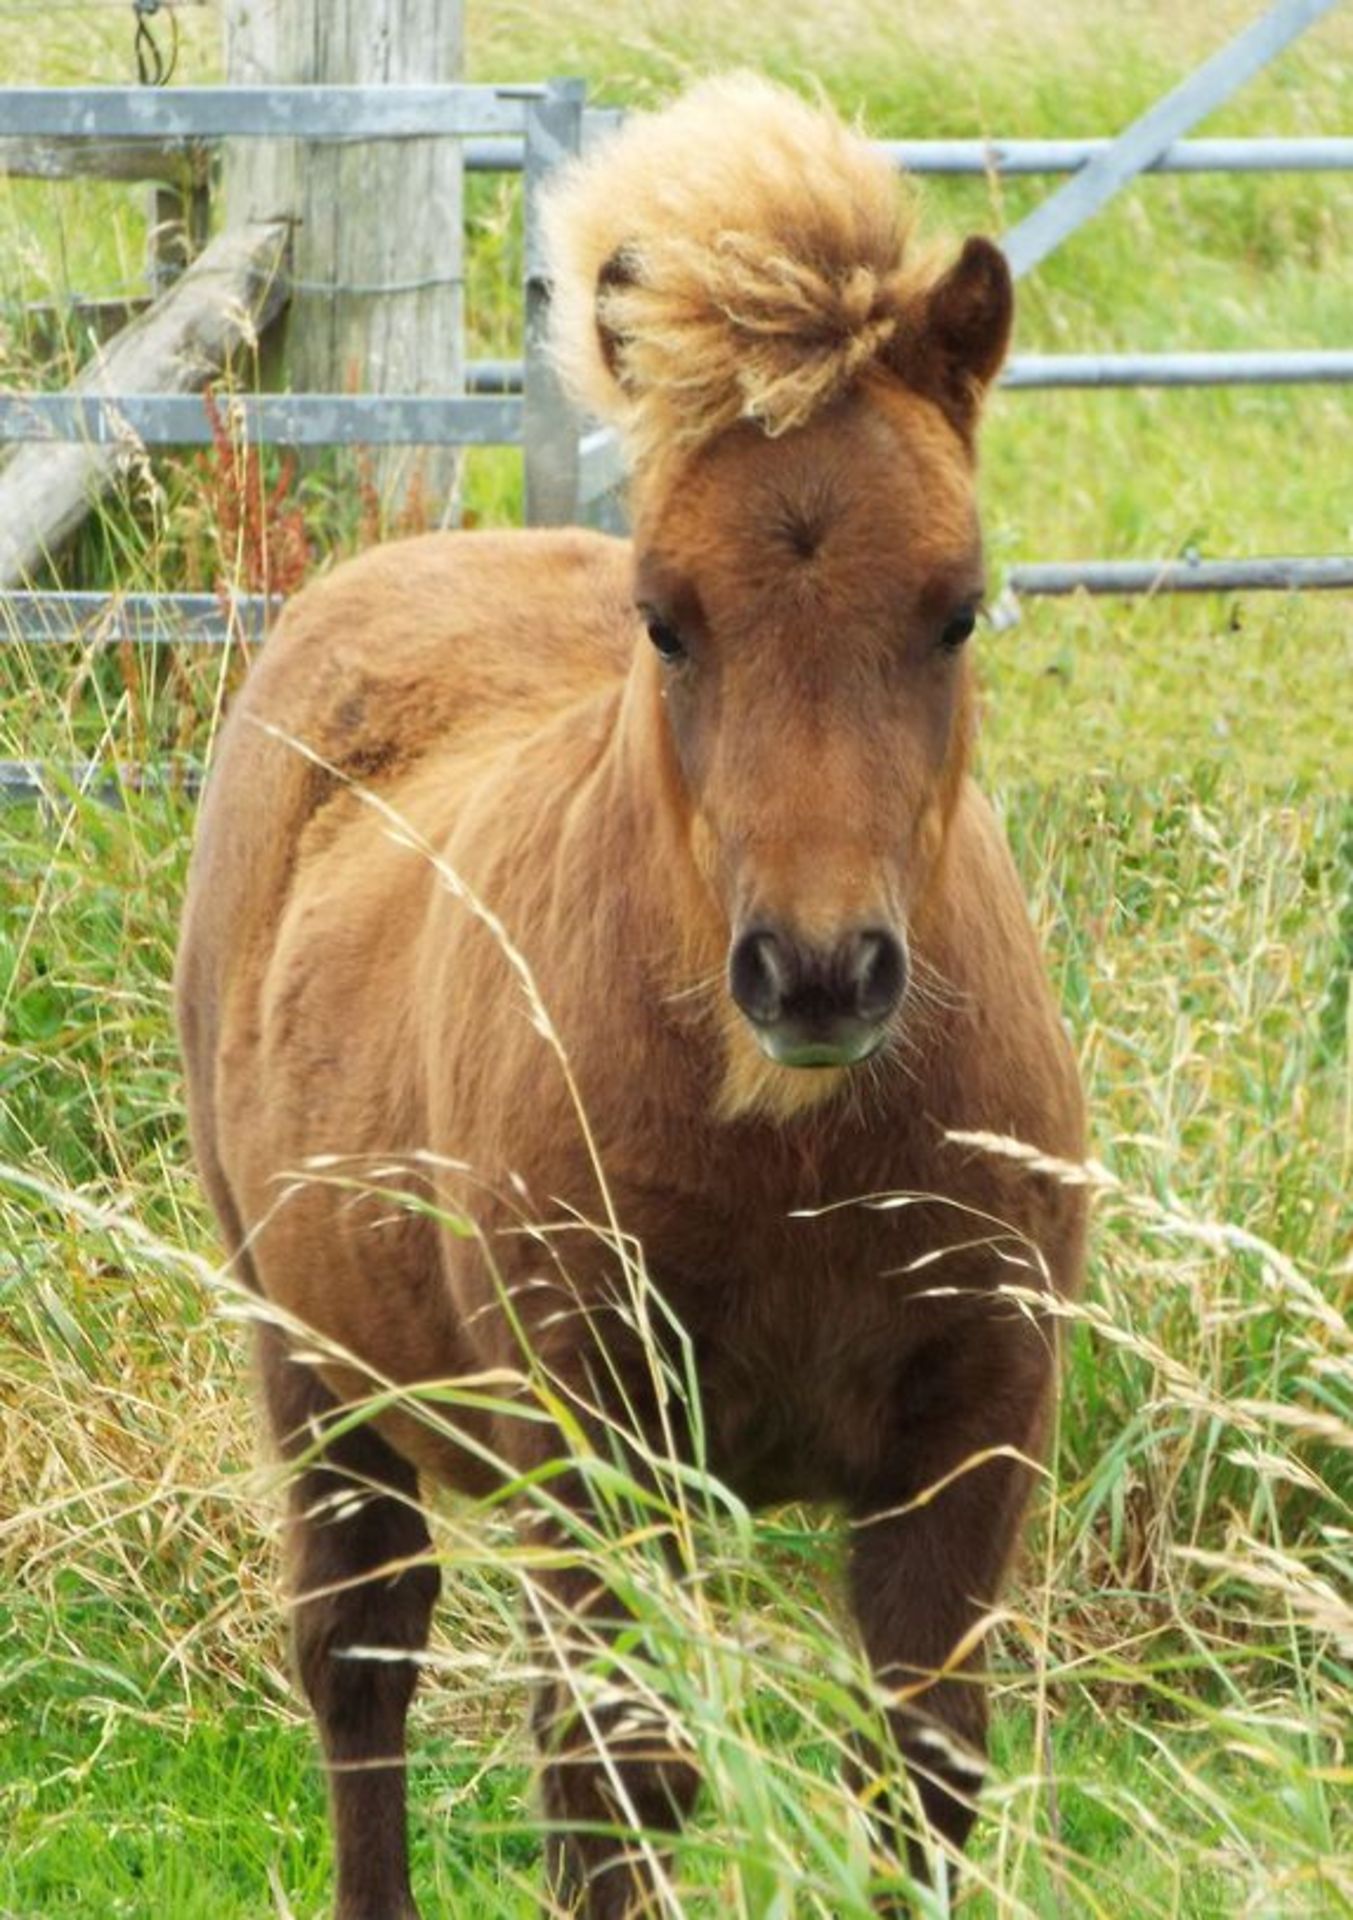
(778, 980)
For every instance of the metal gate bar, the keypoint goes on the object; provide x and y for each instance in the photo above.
(1011, 159)
(1035, 372)
(1142, 144)
(303, 112)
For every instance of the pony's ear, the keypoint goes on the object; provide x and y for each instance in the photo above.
(615, 274)
(962, 331)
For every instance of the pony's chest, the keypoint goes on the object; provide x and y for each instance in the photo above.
(805, 1337)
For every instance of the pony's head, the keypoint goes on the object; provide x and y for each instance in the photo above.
(737, 291)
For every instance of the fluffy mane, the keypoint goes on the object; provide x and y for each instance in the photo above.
(740, 255)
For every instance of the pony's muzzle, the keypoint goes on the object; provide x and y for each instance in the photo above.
(814, 1006)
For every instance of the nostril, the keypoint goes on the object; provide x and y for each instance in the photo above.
(760, 975)
(773, 979)
(877, 972)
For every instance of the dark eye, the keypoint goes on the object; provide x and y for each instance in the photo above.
(959, 629)
(663, 635)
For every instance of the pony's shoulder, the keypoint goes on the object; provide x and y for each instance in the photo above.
(415, 645)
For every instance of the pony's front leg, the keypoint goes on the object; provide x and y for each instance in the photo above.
(616, 1785)
(363, 1587)
(615, 1782)
(929, 1545)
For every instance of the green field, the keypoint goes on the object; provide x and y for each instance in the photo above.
(1173, 1680)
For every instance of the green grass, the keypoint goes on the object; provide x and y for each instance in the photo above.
(1174, 1681)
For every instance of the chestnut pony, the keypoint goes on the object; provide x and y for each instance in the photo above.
(708, 786)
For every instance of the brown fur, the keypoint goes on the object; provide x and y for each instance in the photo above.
(346, 988)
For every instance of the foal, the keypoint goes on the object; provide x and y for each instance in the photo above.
(731, 751)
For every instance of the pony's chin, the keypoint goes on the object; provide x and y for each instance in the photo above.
(789, 1049)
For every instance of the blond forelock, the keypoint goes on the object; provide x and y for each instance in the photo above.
(758, 257)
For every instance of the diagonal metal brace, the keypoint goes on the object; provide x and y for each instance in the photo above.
(1142, 144)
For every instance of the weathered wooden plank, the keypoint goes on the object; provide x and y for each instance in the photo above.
(222, 302)
(177, 162)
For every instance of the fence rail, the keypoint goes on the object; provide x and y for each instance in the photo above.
(1303, 366)
(270, 113)
(1015, 159)
(155, 619)
(1140, 145)
(28, 780)
(489, 414)
(297, 420)
(1273, 575)
(348, 113)
(1035, 372)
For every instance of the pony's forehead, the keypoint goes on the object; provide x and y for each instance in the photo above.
(877, 489)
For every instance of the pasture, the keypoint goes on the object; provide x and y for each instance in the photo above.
(1173, 1674)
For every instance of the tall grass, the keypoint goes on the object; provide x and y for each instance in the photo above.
(1173, 1670)
(1171, 1674)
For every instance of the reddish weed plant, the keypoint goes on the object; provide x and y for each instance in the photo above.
(261, 534)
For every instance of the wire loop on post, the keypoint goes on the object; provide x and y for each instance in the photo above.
(152, 68)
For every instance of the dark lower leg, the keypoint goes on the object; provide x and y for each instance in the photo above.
(344, 1640)
(928, 1552)
(937, 1728)
(617, 1779)
(362, 1596)
(614, 1792)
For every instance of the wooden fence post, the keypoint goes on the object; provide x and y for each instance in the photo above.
(377, 292)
